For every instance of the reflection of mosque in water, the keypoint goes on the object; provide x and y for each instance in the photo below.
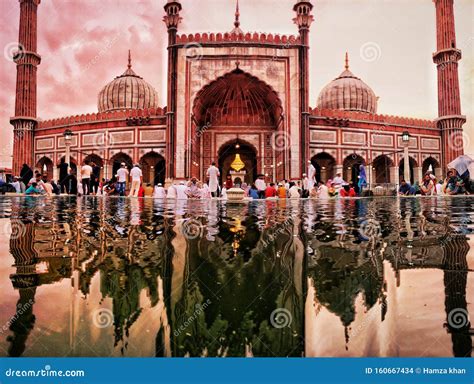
(228, 282)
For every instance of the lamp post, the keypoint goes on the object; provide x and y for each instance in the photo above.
(406, 157)
(67, 142)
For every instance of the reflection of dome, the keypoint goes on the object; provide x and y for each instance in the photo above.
(348, 92)
(128, 91)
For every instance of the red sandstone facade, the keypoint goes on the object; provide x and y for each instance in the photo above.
(243, 93)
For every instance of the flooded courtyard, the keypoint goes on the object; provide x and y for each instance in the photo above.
(140, 277)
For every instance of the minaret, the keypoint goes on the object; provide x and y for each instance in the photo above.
(303, 20)
(172, 19)
(24, 122)
(446, 58)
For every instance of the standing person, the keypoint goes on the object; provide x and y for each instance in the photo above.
(26, 174)
(270, 191)
(86, 172)
(311, 175)
(95, 178)
(261, 186)
(305, 186)
(159, 192)
(122, 175)
(63, 173)
(136, 177)
(338, 181)
(70, 183)
(213, 174)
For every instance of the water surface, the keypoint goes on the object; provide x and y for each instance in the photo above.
(140, 277)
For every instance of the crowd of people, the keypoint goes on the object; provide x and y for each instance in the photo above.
(90, 183)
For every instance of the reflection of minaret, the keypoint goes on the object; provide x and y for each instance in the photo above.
(25, 280)
(455, 281)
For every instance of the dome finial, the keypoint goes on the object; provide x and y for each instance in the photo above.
(237, 15)
(347, 61)
(129, 60)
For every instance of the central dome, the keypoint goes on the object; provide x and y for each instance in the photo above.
(128, 91)
(348, 92)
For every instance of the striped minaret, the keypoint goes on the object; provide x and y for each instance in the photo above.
(446, 58)
(24, 122)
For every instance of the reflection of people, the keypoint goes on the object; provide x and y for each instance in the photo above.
(213, 174)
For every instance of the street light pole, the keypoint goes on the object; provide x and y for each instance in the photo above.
(406, 156)
(67, 142)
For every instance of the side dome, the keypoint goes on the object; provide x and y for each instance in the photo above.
(127, 91)
(348, 92)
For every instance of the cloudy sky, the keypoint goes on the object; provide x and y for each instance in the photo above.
(84, 44)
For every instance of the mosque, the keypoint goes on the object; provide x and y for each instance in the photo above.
(239, 97)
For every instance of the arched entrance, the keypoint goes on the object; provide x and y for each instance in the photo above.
(153, 168)
(235, 105)
(324, 164)
(382, 165)
(352, 165)
(119, 158)
(45, 166)
(401, 173)
(248, 154)
(430, 163)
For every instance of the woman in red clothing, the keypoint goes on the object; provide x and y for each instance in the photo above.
(228, 183)
(347, 191)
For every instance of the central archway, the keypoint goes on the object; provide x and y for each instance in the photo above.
(236, 107)
(248, 155)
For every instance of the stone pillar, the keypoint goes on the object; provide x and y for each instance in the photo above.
(370, 175)
(417, 174)
(394, 175)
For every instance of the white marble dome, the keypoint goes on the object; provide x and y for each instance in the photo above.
(127, 91)
(348, 92)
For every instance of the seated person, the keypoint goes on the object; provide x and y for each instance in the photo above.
(33, 190)
(347, 191)
(271, 191)
(405, 189)
(454, 185)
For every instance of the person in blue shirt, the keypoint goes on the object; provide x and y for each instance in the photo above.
(33, 190)
(405, 189)
(253, 192)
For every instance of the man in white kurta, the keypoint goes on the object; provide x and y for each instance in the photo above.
(311, 176)
(213, 174)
